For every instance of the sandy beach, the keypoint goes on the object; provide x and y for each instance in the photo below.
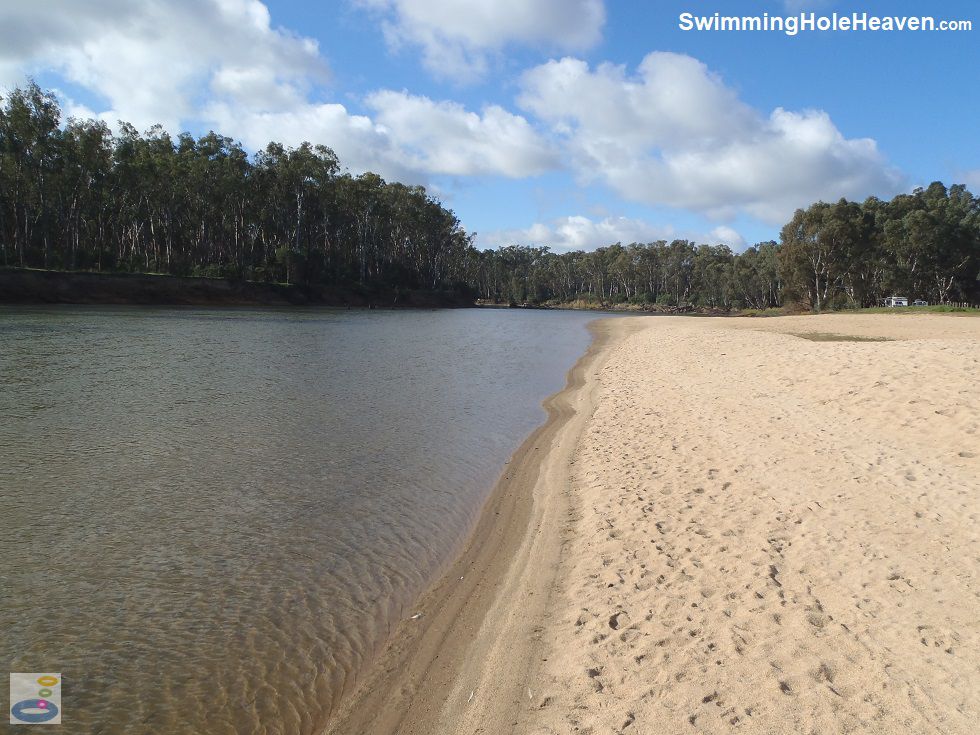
(748, 525)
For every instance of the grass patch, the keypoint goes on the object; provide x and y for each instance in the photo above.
(830, 337)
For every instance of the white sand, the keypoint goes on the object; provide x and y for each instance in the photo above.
(770, 534)
(722, 528)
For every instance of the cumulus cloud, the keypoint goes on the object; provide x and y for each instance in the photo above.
(725, 235)
(173, 62)
(222, 63)
(673, 133)
(408, 139)
(669, 133)
(578, 232)
(153, 60)
(456, 39)
(359, 142)
(445, 138)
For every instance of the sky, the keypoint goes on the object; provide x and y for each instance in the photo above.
(567, 123)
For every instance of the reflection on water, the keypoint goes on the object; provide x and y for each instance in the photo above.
(212, 517)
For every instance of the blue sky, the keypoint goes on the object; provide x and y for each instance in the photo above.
(570, 123)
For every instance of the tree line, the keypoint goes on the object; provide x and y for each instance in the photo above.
(675, 273)
(74, 196)
(924, 245)
(77, 197)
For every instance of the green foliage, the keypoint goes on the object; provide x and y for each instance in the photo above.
(74, 196)
(77, 197)
(208, 271)
(924, 245)
(668, 274)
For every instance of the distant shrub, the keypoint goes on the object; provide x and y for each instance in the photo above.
(208, 271)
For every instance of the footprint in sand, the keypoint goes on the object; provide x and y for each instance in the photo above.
(618, 620)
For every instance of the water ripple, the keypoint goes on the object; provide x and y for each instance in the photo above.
(213, 518)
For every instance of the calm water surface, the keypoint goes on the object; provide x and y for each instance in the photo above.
(211, 518)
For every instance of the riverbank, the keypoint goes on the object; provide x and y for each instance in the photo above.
(461, 658)
(762, 524)
(623, 308)
(631, 309)
(25, 286)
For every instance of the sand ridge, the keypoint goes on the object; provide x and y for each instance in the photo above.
(773, 535)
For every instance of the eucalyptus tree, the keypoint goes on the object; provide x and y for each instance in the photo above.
(756, 281)
(932, 238)
(75, 196)
(86, 166)
(805, 255)
(29, 147)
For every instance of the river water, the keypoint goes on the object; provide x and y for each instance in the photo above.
(210, 519)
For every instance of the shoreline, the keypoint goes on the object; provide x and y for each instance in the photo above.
(468, 656)
(27, 287)
(718, 525)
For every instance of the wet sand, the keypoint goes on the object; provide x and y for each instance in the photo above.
(480, 625)
(724, 526)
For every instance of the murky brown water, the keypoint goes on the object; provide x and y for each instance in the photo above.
(209, 519)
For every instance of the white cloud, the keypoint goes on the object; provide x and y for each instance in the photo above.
(672, 100)
(174, 62)
(725, 235)
(670, 133)
(674, 134)
(457, 38)
(582, 233)
(408, 139)
(445, 138)
(360, 144)
(222, 63)
(153, 60)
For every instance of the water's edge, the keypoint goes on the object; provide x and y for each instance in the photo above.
(402, 689)
(252, 497)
